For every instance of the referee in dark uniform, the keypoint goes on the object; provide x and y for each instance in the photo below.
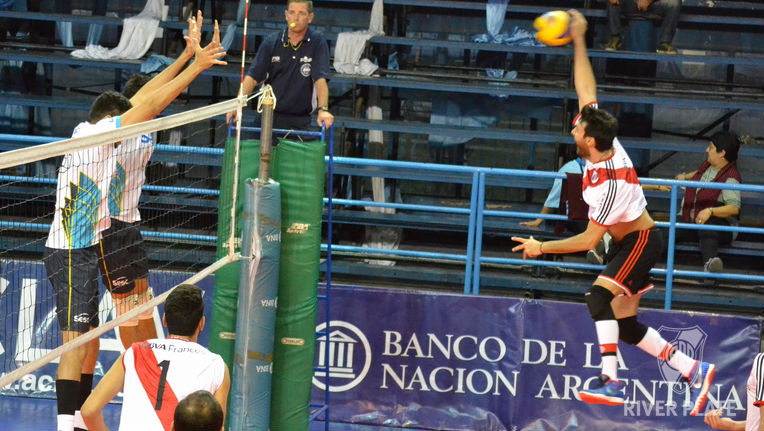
(294, 61)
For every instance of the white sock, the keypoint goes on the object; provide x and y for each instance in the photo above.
(655, 345)
(78, 421)
(607, 336)
(65, 422)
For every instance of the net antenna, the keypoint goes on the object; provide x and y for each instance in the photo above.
(239, 108)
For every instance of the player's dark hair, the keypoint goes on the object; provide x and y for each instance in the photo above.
(184, 309)
(199, 411)
(135, 83)
(601, 126)
(108, 103)
(308, 3)
(728, 142)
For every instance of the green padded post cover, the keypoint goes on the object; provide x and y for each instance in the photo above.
(299, 168)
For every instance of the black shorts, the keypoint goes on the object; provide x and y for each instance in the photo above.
(121, 257)
(74, 276)
(630, 261)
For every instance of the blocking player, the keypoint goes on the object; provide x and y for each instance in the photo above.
(616, 206)
(81, 216)
(122, 259)
(153, 375)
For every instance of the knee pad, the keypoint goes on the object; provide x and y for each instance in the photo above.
(129, 302)
(630, 331)
(598, 299)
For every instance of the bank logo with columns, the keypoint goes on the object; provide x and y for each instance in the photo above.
(347, 354)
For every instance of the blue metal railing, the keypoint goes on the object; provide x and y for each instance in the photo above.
(477, 213)
(478, 179)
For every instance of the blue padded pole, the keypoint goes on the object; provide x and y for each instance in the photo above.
(256, 319)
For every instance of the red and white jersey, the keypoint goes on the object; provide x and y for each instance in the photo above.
(82, 212)
(755, 392)
(158, 374)
(612, 190)
(129, 176)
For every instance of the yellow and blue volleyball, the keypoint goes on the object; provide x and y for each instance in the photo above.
(552, 28)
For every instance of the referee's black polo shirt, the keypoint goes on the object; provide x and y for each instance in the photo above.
(292, 71)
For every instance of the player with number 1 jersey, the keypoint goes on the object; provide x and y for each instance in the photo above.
(161, 372)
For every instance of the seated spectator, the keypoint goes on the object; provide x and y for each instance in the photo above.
(199, 411)
(712, 206)
(666, 11)
(552, 203)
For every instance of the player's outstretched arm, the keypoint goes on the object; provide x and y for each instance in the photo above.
(585, 240)
(204, 58)
(222, 393)
(105, 391)
(583, 75)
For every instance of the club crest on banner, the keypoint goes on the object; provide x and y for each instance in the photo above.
(689, 341)
(349, 356)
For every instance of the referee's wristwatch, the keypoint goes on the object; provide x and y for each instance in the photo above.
(324, 108)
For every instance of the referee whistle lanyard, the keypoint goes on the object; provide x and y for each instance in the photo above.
(288, 44)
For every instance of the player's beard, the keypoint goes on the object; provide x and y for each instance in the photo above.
(582, 151)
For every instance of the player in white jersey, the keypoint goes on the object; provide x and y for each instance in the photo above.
(81, 215)
(123, 261)
(154, 375)
(617, 206)
(754, 401)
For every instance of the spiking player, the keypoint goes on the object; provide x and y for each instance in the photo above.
(122, 259)
(617, 206)
(155, 374)
(81, 216)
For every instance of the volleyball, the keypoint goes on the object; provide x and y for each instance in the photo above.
(552, 28)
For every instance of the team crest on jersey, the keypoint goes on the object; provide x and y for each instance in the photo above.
(595, 177)
(275, 59)
(305, 69)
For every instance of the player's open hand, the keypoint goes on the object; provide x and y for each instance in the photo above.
(529, 246)
(208, 56)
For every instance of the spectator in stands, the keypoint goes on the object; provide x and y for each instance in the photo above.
(81, 215)
(666, 11)
(155, 374)
(712, 206)
(755, 402)
(294, 61)
(552, 203)
(199, 411)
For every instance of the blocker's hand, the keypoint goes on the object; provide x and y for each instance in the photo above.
(529, 246)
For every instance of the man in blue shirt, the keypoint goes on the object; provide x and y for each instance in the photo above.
(295, 62)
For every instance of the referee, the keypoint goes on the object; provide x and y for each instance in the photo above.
(294, 61)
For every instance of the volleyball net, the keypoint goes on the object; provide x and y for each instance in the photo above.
(177, 207)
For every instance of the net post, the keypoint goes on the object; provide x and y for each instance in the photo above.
(266, 130)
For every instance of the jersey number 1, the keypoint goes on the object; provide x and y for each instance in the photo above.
(164, 365)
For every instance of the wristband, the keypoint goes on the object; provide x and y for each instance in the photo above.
(712, 211)
(541, 247)
(324, 108)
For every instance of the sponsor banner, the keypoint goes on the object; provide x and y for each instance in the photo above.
(29, 329)
(452, 362)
